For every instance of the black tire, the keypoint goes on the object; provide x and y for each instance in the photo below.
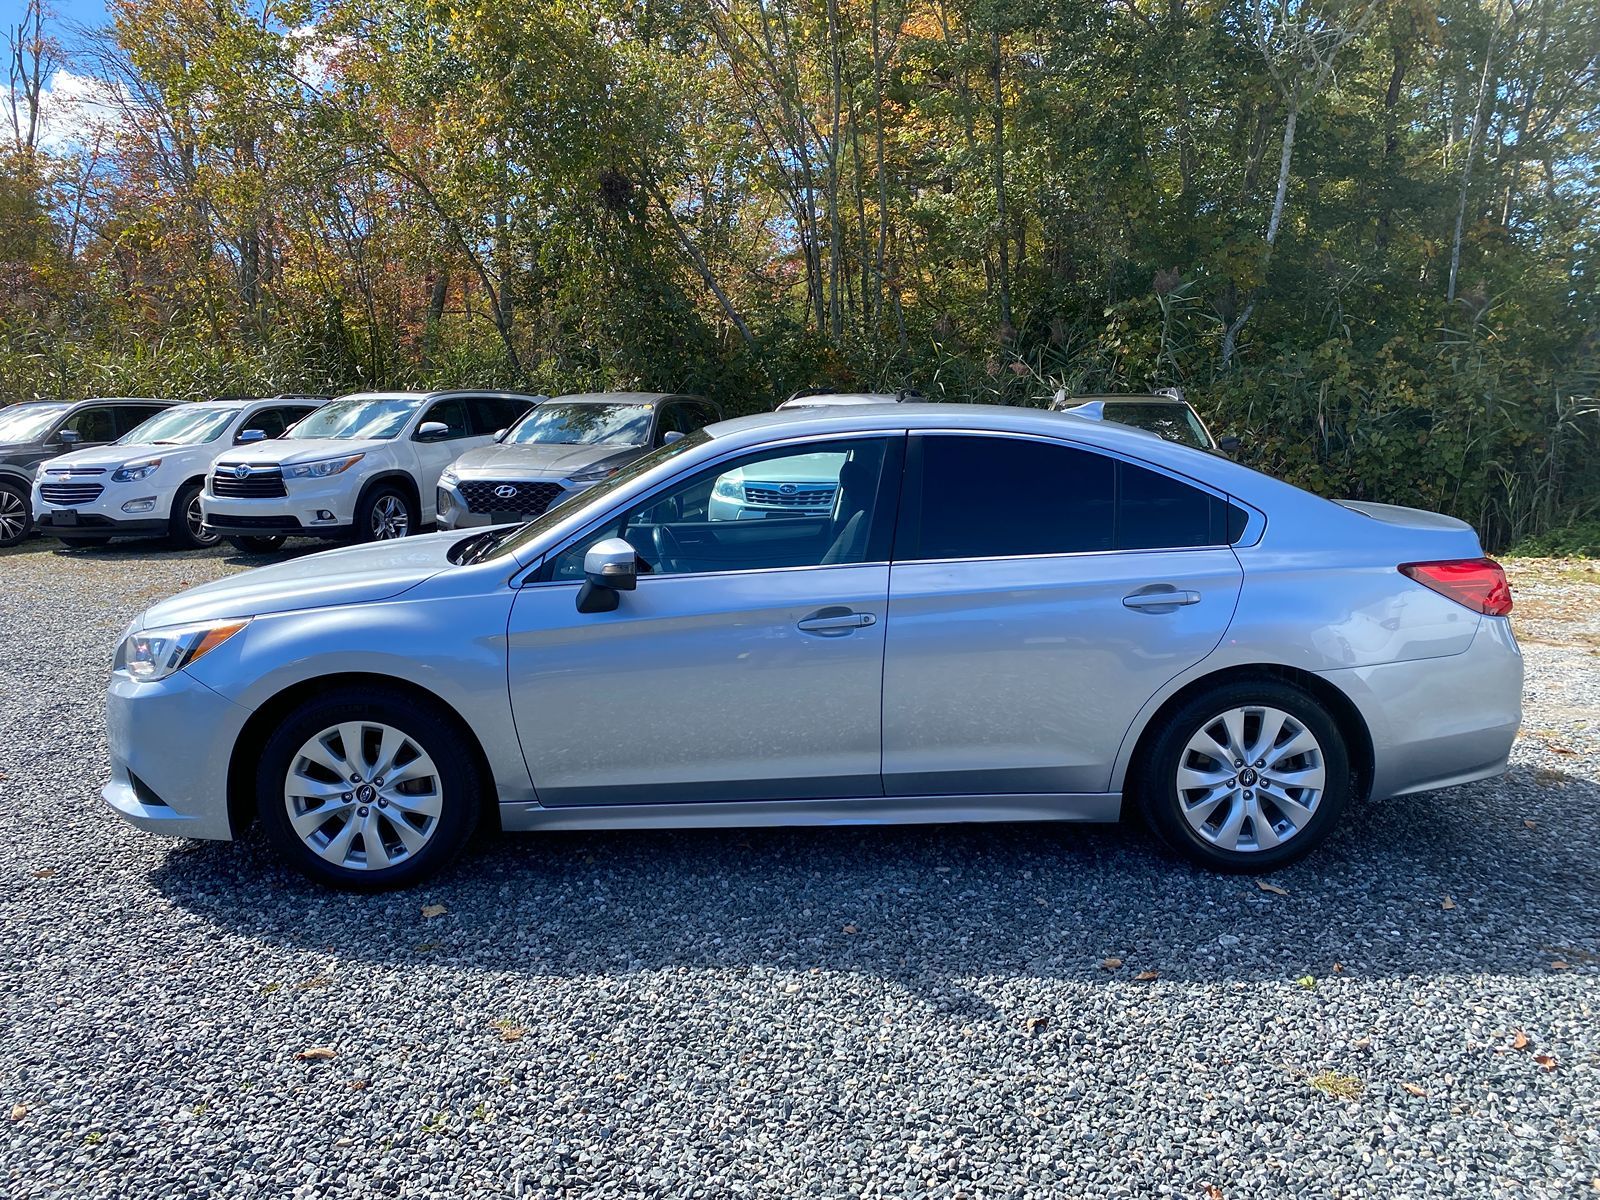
(382, 507)
(457, 784)
(257, 545)
(183, 528)
(16, 513)
(1157, 794)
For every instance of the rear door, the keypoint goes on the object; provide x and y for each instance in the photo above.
(1041, 593)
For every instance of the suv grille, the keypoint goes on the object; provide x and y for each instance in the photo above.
(805, 497)
(260, 482)
(528, 499)
(70, 493)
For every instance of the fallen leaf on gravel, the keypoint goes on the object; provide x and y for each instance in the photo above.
(317, 1054)
(18, 1111)
(1520, 1042)
(1035, 1024)
(851, 929)
(316, 981)
(1555, 748)
(1271, 887)
(510, 1032)
(1338, 968)
(1528, 823)
(1448, 904)
(434, 910)
(1337, 1085)
(1147, 976)
(360, 1085)
(1213, 1192)
(1559, 965)
(45, 873)
(1309, 982)
(1547, 1061)
(1361, 1044)
(1110, 964)
(1415, 1090)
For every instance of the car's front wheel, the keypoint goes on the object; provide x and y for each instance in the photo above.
(15, 517)
(1247, 777)
(384, 513)
(186, 527)
(368, 789)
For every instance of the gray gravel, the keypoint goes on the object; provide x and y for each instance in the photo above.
(903, 1012)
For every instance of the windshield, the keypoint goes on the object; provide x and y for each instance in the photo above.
(582, 424)
(27, 422)
(1175, 422)
(357, 419)
(181, 426)
(500, 542)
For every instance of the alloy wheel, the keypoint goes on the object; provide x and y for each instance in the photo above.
(13, 515)
(1250, 778)
(363, 795)
(390, 519)
(195, 518)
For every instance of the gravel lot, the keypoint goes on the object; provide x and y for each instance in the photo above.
(912, 1012)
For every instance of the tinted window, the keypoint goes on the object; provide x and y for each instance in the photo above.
(794, 507)
(100, 424)
(992, 497)
(269, 421)
(1175, 422)
(451, 412)
(491, 414)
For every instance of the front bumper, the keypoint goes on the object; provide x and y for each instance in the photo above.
(454, 511)
(299, 514)
(106, 516)
(1438, 722)
(170, 745)
(97, 525)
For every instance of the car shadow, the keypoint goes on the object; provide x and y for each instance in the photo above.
(1451, 883)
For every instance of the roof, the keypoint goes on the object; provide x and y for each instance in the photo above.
(623, 397)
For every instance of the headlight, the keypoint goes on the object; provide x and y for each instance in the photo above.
(730, 487)
(153, 654)
(594, 475)
(449, 479)
(130, 472)
(322, 468)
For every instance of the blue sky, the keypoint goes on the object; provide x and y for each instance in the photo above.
(77, 12)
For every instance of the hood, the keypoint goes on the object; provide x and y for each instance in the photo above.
(545, 459)
(349, 575)
(281, 451)
(105, 458)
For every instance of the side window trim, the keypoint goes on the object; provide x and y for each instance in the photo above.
(540, 572)
(908, 530)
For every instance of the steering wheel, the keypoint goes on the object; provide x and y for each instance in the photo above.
(670, 555)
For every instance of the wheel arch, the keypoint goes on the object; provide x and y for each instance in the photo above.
(402, 479)
(258, 728)
(1352, 725)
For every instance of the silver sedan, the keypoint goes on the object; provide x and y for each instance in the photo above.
(1004, 615)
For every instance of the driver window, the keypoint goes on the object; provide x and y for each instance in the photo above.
(794, 507)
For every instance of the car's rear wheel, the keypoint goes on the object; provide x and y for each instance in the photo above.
(384, 513)
(1247, 777)
(368, 790)
(186, 527)
(15, 517)
(257, 545)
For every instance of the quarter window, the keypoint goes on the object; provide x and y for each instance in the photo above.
(491, 414)
(992, 497)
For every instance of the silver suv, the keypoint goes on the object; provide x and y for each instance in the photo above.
(559, 449)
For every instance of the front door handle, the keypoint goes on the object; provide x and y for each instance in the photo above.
(831, 622)
(1161, 597)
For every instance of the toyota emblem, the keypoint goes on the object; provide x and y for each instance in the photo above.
(787, 489)
(241, 472)
(505, 491)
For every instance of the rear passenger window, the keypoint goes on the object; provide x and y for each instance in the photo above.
(130, 416)
(992, 497)
(491, 414)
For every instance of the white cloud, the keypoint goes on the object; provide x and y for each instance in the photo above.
(73, 111)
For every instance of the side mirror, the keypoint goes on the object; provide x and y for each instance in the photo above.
(432, 431)
(1229, 444)
(250, 435)
(609, 568)
(670, 436)
(69, 437)
(500, 434)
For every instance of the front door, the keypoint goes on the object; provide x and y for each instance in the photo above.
(1040, 595)
(748, 663)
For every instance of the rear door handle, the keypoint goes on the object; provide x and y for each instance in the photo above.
(1160, 598)
(831, 622)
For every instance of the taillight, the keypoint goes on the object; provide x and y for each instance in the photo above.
(1478, 583)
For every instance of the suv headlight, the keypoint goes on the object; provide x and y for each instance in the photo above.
(449, 478)
(594, 474)
(730, 487)
(322, 468)
(131, 472)
(152, 654)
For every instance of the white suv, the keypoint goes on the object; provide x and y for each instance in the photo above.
(148, 482)
(364, 467)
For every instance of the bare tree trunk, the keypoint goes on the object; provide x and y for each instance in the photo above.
(1003, 282)
(1466, 167)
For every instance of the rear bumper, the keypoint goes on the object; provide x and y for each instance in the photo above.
(1438, 722)
(170, 744)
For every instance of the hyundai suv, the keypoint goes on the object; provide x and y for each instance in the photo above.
(559, 449)
(35, 430)
(362, 468)
(148, 482)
